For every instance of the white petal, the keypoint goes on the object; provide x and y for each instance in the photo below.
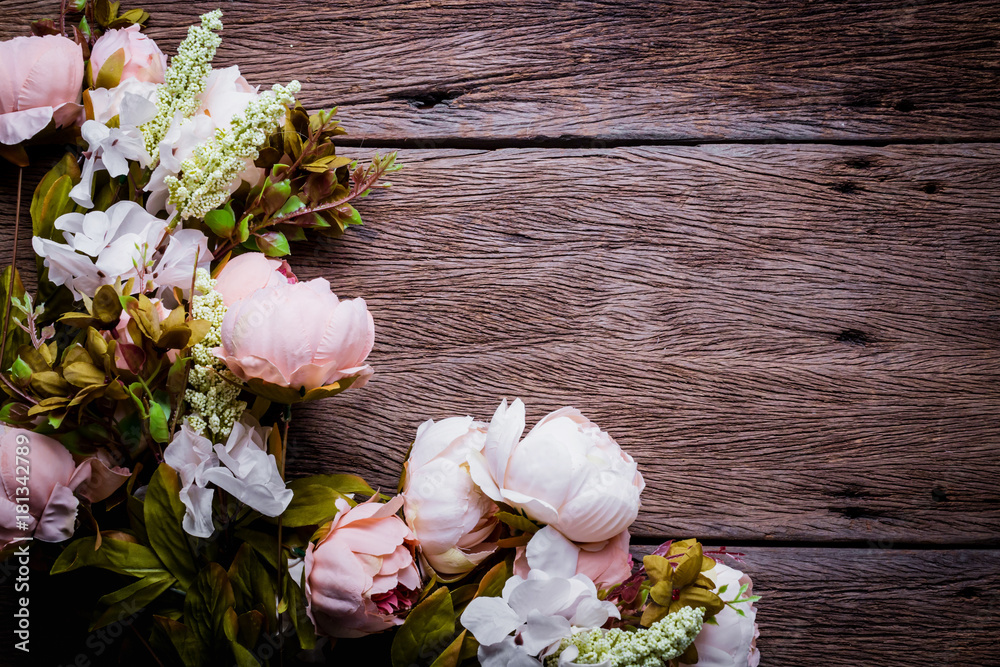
(490, 620)
(550, 551)
(542, 631)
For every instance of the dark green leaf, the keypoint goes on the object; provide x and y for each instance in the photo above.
(252, 584)
(206, 604)
(244, 658)
(163, 512)
(127, 601)
(312, 505)
(115, 555)
(273, 244)
(518, 522)
(297, 610)
(184, 640)
(341, 483)
(429, 626)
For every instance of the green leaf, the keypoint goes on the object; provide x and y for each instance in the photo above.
(244, 658)
(312, 505)
(518, 522)
(159, 417)
(304, 628)
(163, 512)
(341, 483)
(111, 71)
(265, 544)
(206, 604)
(491, 585)
(452, 656)
(273, 244)
(244, 229)
(293, 204)
(10, 283)
(428, 626)
(126, 601)
(252, 585)
(221, 221)
(184, 640)
(115, 555)
(348, 215)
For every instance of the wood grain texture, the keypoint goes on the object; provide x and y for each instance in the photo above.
(430, 72)
(796, 342)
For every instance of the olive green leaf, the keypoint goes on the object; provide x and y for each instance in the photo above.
(207, 601)
(111, 71)
(341, 483)
(221, 221)
(312, 505)
(428, 626)
(163, 512)
(116, 555)
(184, 640)
(518, 522)
(296, 600)
(128, 600)
(252, 584)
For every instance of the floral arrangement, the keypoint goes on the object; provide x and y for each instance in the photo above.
(149, 383)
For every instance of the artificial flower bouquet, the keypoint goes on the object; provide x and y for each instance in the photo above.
(149, 384)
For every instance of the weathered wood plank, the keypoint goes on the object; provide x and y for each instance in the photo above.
(797, 343)
(457, 70)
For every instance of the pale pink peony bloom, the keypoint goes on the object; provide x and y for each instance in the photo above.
(143, 59)
(40, 81)
(732, 642)
(450, 516)
(363, 573)
(53, 481)
(298, 335)
(606, 563)
(566, 473)
(245, 274)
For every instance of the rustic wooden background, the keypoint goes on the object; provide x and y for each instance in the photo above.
(759, 243)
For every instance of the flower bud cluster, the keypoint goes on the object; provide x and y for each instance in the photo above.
(648, 647)
(206, 176)
(213, 391)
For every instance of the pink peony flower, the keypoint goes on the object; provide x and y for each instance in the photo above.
(606, 563)
(249, 272)
(566, 473)
(363, 573)
(143, 59)
(40, 81)
(47, 470)
(299, 336)
(450, 516)
(732, 642)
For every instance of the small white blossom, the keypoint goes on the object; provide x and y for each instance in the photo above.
(213, 393)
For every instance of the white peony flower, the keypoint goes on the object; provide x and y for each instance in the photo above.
(111, 148)
(106, 103)
(242, 467)
(450, 516)
(539, 611)
(566, 473)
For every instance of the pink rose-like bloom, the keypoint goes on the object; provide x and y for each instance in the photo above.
(450, 516)
(298, 335)
(566, 473)
(52, 479)
(732, 642)
(249, 272)
(607, 563)
(143, 59)
(363, 573)
(40, 81)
